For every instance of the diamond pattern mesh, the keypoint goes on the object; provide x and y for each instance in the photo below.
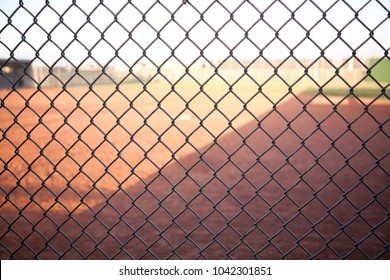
(194, 130)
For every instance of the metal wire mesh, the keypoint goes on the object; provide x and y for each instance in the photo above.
(194, 130)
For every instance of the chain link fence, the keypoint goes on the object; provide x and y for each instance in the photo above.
(197, 129)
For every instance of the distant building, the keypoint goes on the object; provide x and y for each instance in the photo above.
(15, 73)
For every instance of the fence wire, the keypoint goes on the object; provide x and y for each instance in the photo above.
(194, 130)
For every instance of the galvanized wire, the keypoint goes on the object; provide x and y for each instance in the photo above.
(203, 224)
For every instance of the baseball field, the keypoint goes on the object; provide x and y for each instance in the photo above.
(193, 171)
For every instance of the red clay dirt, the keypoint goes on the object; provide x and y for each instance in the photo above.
(293, 184)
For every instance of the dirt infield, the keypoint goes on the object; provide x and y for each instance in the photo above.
(304, 179)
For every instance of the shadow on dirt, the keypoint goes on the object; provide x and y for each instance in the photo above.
(296, 184)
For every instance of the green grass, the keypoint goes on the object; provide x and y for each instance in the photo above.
(380, 71)
(361, 92)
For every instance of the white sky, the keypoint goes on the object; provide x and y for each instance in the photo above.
(173, 33)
